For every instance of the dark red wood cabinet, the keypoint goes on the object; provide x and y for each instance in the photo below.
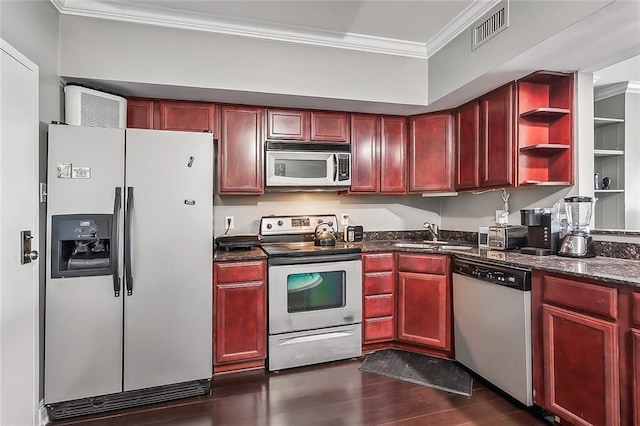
(240, 322)
(187, 116)
(140, 113)
(379, 282)
(329, 126)
(497, 138)
(424, 300)
(468, 146)
(575, 347)
(240, 158)
(378, 154)
(431, 166)
(288, 125)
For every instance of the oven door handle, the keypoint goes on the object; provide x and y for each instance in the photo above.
(315, 338)
(302, 260)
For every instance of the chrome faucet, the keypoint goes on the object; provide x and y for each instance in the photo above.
(432, 229)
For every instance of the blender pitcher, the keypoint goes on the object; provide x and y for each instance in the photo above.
(577, 242)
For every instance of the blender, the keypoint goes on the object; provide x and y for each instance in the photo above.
(577, 242)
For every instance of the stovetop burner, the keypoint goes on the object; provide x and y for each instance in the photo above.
(292, 236)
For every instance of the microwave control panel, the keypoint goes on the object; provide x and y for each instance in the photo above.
(344, 164)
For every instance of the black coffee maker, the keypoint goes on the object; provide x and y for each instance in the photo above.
(542, 232)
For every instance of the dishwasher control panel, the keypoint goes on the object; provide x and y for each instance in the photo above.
(517, 278)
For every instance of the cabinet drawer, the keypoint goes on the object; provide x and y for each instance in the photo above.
(377, 262)
(425, 264)
(589, 298)
(635, 310)
(378, 306)
(378, 329)
(232, 272)
(379, 283)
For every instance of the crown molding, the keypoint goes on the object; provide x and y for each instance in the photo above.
(214, 24)
(617, 89)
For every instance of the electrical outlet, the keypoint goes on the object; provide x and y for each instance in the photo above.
(228, 222)
(344, 219)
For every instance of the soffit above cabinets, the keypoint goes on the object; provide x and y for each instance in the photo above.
(406, 28)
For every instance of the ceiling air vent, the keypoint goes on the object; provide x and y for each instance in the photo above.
(490, 25)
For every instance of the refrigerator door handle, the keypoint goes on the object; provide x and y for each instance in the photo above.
(115, 244)
(127, 242)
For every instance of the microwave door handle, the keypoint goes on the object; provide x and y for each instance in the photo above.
(335, 167)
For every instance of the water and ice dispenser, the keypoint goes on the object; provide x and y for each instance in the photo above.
(81, 245)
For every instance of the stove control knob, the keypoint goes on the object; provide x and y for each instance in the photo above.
(280, 223)
(330, 224)
(269, 226)
(319, 221)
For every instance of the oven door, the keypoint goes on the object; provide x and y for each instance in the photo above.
(314, 295)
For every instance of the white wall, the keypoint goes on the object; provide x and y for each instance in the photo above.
(32, 28)
(119, 51)
(530, 23)
(374, 212)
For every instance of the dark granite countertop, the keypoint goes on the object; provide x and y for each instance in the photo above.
(605, 269)
(231, 255)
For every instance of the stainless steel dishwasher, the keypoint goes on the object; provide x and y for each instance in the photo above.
(492, 324)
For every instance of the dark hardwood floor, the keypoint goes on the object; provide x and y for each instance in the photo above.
(331, 394)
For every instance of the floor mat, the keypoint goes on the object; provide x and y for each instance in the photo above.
(423, 370)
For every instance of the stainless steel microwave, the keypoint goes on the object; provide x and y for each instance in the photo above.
(307, 165)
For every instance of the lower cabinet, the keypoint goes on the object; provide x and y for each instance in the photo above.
(424, 300)
(240, 322)
(576, 350)
(379, 283)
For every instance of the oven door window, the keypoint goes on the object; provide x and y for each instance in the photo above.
(315, 291)
(297, 168)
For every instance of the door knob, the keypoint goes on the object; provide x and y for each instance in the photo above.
(31, 256)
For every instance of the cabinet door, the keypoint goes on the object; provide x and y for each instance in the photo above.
(365, 160)
(635, 337)
(431, 153)
(329, 126)
(581, 367)
(139, 114)
(240, 329)
(468, 146)
(497, 141)
(240, 157)
(287, 124)
(187, 116)
(393, 155)
(424, 309)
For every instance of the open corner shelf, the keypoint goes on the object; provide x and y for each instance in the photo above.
(544, 149)
(541, 183)
(545, 115)
(602, 121)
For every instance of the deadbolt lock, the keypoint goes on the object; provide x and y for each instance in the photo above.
(27, 255)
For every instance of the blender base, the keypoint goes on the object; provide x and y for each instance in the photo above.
(577, 246)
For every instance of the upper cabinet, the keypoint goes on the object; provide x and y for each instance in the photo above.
(172, 115)
(431, 153)
(187, 116)
(314, 126)
(378, 154)
(496, 138)
(468, 145)
(240, 159)
(545, 129)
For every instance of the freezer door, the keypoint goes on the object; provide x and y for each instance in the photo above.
(83, 318)
(168, 313)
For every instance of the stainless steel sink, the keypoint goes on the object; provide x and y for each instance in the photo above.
(448, 247)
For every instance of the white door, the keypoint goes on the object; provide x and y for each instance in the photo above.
(167, 333)
(19, 314)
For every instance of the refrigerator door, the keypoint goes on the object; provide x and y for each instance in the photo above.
(168, 314)
(83, 321)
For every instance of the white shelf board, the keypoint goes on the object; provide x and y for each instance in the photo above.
(607, 152)
(602, 121)
(608, 191)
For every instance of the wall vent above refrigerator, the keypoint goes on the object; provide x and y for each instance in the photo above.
(490, 25)
(88, 107)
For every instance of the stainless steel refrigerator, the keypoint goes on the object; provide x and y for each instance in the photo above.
(128, 308)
